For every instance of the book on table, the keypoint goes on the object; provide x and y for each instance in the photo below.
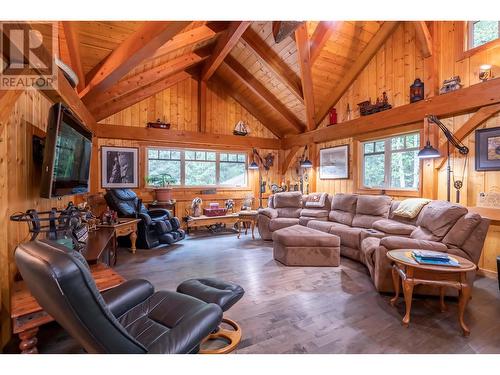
(434, 258)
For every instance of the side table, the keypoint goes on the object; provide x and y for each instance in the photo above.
(125, 227)
(247, 217)
(412, 273)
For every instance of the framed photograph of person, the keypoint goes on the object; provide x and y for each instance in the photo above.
(119, 167)
(488, 149)
(334, 163)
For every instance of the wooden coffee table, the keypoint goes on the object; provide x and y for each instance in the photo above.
(412, 273)
(210, 221)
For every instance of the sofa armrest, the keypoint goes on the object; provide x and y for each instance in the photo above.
(271, 213)
(125, 296)
(396, 242)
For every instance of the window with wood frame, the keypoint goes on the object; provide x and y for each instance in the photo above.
(482, 32)
(391, 163)
(472, 37)
(198, 168)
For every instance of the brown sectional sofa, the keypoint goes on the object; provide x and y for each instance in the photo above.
(368, 228)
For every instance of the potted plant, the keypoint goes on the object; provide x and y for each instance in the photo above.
(161, 183)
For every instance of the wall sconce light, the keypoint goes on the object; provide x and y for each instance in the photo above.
(485, 72)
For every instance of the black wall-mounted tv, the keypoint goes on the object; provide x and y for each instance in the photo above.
(66, 160)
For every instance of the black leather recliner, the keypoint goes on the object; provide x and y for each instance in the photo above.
(130, 318)
(156, 227)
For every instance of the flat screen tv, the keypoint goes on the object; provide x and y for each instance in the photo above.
(66, 160)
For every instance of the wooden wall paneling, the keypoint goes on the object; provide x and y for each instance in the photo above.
(202, 106)
(363, 59)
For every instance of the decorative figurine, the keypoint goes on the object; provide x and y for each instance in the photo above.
(196, 207)
(229, 205)
(451, 84)
(416, 91)
(158, 124)
(348, 115)
(332, 116)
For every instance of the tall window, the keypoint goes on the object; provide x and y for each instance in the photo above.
(193, 168)
(391, 163)
(482, 32)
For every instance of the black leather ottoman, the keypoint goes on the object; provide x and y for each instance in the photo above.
(222, 293)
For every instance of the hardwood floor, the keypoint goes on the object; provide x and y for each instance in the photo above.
(307, 309)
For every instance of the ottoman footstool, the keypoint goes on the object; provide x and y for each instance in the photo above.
(302, 246)
(225, 295)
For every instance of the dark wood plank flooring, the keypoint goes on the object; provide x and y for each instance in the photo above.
(306, 309)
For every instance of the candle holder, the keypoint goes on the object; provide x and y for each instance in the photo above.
(485, 72)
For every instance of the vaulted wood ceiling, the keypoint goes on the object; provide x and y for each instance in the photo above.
(289, 86)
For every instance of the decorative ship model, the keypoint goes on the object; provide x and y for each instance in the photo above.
(240, 129)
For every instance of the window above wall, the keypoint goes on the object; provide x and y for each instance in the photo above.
(482, 32)
(390, 163)
(472, 37)
(198, 168)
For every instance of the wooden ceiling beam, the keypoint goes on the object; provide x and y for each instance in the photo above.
(248, 106)
(321, 35)
(468, 127)
(224, 45)
(361, 62)
(454, 103)
(303, 52)
(424, 38)
(137, 133)
(263, 93)
(274, 63)
(186, 39)
(136, 48)
(288, 159)
(119, 104)
(128, 85)
(75, 58)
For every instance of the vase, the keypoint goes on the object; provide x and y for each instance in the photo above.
(163, 194)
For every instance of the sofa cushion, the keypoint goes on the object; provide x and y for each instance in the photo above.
(304, 220)
(396, 242)
(462, 230)
(438, 217)
(343, 208)
(282, 222)
(410, 208)
(300, 236)
(289, 212)
(314, 212)
(393, 227)
(370, 208)
(349, 236)
(316, 200)
(321, 225)
(288, 199)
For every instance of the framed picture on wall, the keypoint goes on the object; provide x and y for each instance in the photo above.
(488, 149)
(334, 162)
(119, 167)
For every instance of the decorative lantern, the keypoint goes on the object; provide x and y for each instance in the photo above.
(416, 91)
(332, 116)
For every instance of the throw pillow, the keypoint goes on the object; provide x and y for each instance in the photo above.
(411, 207)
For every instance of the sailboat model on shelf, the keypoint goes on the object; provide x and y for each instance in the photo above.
(240, 128)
